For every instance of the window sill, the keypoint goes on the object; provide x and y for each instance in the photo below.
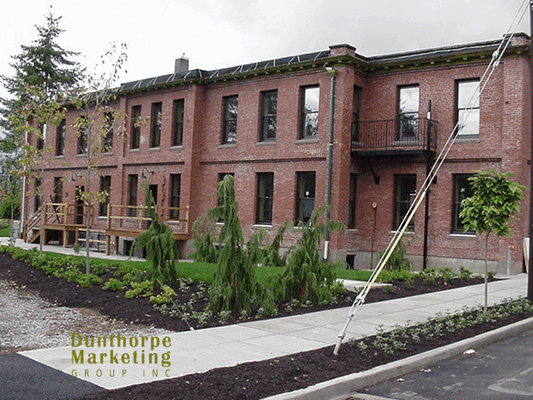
(177, 147)
(134, 150)
(262, 225)
(59, 156)
(266, 143)
(307, 140)
(154, 149)
(228, 146)
(408, 232)
(467, 139)
(462, 235)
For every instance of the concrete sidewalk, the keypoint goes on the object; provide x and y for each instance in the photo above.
(205, 349)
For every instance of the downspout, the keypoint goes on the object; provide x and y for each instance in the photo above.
(530, 267)
(332, 73)
(428, 169)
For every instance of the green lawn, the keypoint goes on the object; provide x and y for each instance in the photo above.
(5, 231)
(203, 272)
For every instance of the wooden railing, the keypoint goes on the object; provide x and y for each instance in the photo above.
(120, 220)
(136, 218)
(31, 223)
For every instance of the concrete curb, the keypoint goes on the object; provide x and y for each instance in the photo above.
(348, 384)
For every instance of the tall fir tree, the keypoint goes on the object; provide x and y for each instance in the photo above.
(44, 65)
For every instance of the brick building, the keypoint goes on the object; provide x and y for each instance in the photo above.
(270, 125)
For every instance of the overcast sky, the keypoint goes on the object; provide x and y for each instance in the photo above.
(221, 33)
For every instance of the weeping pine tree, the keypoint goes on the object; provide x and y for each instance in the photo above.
(235, 286)
(308, 277)
(160, 245)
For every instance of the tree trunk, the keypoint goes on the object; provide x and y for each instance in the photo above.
(486, 273)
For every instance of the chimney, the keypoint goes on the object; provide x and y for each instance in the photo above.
(181, 64)
(342, 50)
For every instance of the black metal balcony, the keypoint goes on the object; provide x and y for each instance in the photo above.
(402, 136)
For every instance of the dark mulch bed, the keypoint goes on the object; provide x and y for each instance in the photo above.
(245, 381)
(140, 310)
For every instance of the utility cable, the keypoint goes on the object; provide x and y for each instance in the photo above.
(421, 193)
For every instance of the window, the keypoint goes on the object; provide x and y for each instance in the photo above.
(404, 195)
(60, 138)
(175, 188)
(82, 136)
(305, 200)
(177, 126)
(355, 113)
(309, 110)
(105, 189)
(265, 196)
(157, 116)
(107, 143)
(40, 137)
(351, 204)
(135, 127)
(58, 190)
(132, 193)
(37, 195)
(269, 112)
(467, 108)
(408, 99)
(461, 190)
(229, 134)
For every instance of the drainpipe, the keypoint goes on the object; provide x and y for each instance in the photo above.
(530, 269)
(428, 169)
(332, 73)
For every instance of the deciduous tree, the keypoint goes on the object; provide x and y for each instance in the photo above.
(489, 210)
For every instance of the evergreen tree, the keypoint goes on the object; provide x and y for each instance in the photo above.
(160, 245)
(235, 284)
(44, 65)
(308, 277)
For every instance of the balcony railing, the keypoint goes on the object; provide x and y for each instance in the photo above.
(395, 136)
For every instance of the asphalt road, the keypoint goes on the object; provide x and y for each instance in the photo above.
(501, 371)
(23, 379)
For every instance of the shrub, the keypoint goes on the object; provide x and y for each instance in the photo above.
(100, 269)
(165, 297)
(114, 285)
(465, 274)
(398, 260)
(428, 275)
(86, 280)
(140, 289)
(447, 274)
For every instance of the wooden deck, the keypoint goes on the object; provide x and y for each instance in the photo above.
(67, 222)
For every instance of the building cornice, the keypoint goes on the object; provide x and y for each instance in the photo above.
(336, 56)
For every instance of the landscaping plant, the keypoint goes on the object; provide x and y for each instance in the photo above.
(495, 200)
(307, 275)
(160, 246)
(235, 286)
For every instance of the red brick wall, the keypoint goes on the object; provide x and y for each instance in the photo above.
(503, 145)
